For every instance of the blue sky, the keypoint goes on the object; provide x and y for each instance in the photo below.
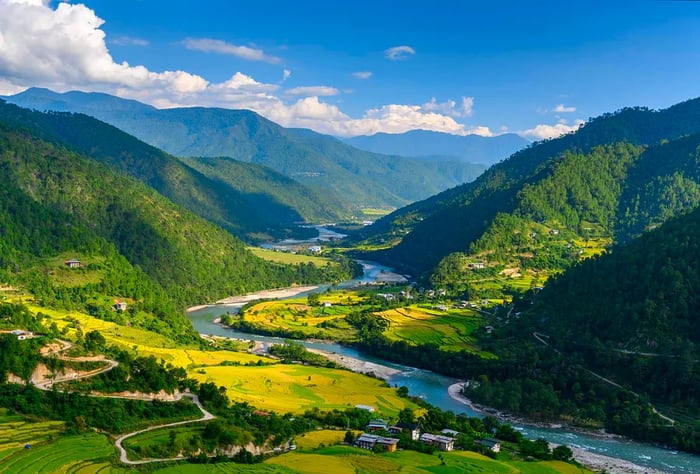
(348, 68)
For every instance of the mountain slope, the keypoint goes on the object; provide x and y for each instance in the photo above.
(192, 259)
(455, 219)
(235, 203)
(360, 178)
(436, 145)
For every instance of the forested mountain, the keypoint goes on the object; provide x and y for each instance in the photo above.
(236, 203)
(602, 181)
(630, 316)
(134, 243)
(437, 146)
(360, 178)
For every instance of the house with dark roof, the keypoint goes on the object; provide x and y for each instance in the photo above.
(492, 444)
(377, 425)
(443, 443)
(72, 263)
(411, 428)
(369, 441)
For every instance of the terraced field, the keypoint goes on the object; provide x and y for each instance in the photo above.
(295, 388)
(451, 329)
(314, 439)
(290, 258)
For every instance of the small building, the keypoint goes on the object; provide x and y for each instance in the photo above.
(443, 443)
(315, 249)
(365, 407)
(369, 441)
(327, 304)
(120, 306)
(492, 444)
(450, 433)
(476, 265)
(377, 425)
(411, 428)
(554, 232)
(22, 335)
(72, 263)
(441, 307)
(488, 329)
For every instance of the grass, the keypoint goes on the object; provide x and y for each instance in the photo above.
(61, 275)
(344, 459)
(294, 388)
(450, 329)
(156, 443)
(290, 258)
(374, 212)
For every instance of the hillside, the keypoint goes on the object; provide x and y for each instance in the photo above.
(235, 201)
(136, 244)
(436, 146)
(629, 316)
(360, 178)
(556, 186)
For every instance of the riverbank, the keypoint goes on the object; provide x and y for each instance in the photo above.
(593, 461)
(278, 293)
(357, 365)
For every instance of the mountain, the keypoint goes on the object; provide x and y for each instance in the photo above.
(592, 183)
(57, 204)
(437, 146)
(359, 178)
(238, 201)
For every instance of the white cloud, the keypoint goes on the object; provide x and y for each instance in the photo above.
(362, 74)
(561, 108)
(399, 53)
(542, 132)
(450, 107)
(209, 45)
(129, 41)
(286, 74)
(313, 91)
(64, 48)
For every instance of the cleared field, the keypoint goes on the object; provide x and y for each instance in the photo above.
(88, 453)
(15, 433)
(61, 275)
(313, 439)
(294, 388)
(290, 258)
(451, 330)
(156, 443)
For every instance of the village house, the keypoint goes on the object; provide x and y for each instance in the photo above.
(443, 443)
(490, 443)
(22, 335)
(412, 428)
(450, 433)
(476, 265)
(315, 249)
(377, 425)
(120, 306)
(554, 232)
(369, 441)
(72, 263)
(365, 407)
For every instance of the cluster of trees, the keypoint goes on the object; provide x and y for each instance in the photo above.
(291, 352)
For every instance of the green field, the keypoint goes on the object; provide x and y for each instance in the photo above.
(290, 258)
(87, 453)
(295, 388)
(451, 329)
(157, 443)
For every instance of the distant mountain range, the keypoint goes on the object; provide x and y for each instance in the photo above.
(618, 175)
(355, 177)
(435, 145)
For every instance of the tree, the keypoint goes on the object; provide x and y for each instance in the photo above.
(562, 453)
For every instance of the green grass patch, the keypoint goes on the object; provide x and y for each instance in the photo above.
(289, 258)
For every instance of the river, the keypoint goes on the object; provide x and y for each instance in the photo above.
(432, 387)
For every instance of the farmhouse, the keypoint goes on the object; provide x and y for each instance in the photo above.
(365, 407)
(443, 443)
(407, 428)
(22, 335)
(369, 441)
(377, 425)
(490, 443)
(72, 263)
(450, 433)
(315, 249)
(476, 265)
(120, 306)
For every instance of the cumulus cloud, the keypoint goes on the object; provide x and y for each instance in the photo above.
(450, 107)
(313, 91)
(561, 108)
(362, 74)
(209, 45)
(542, 132)
(64, 48)
(399, 53)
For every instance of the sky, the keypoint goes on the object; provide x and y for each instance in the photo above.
(359, 67)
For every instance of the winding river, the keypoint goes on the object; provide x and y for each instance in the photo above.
(432, 387)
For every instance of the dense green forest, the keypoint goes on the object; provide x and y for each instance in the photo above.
(133, 242)
(359, 178)
(233, 198)
(602, 171)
